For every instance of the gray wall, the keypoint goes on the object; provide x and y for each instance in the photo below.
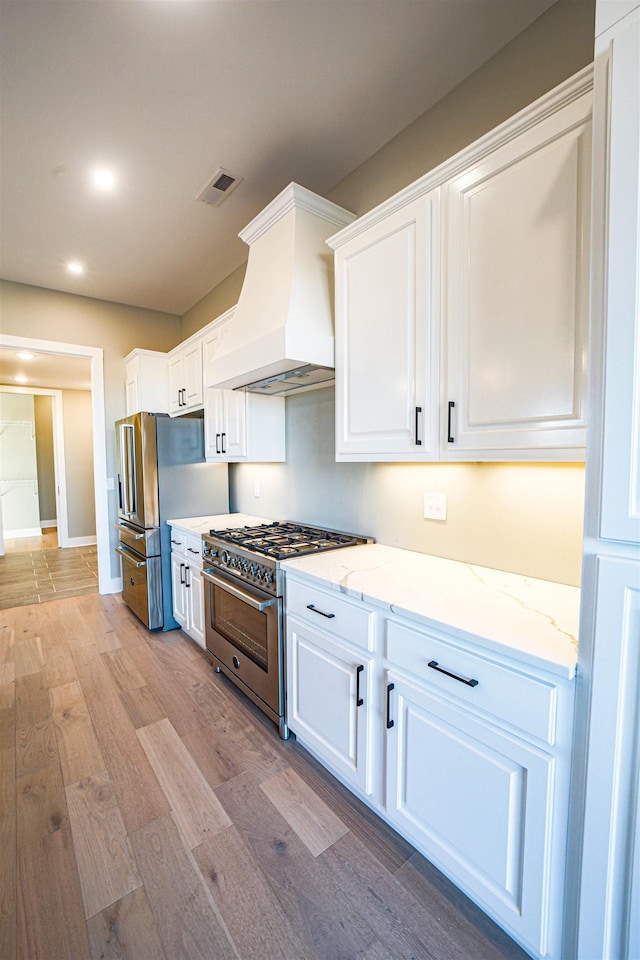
(43, 410)
(78, 462)
(526, 518)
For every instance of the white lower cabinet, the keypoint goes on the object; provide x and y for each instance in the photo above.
(465, 752)
(186, 585)
(475, 801)
(329, 701)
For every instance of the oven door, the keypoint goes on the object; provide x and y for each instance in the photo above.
(243, 632)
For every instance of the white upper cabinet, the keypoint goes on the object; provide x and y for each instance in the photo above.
(387, 296)
(185, 377)
(517, 295)
(146, 382)
(462, 302)
(238, 426)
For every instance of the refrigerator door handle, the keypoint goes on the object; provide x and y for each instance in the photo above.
(127, 468)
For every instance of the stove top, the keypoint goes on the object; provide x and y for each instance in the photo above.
(285, 540)
(253, 554)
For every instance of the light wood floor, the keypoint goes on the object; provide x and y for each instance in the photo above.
(149, 812)
(35, 570)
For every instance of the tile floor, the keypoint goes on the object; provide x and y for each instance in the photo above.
(35, 569)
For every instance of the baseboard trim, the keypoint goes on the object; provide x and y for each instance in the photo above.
(81, 541)
(114, 585)
(23, 532)
(48, 523)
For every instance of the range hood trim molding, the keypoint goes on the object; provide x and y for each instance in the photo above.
(295, 196)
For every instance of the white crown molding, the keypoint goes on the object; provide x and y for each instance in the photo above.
(295, 197)
(568, 92)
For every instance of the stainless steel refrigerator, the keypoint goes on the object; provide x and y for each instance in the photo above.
(162, 475)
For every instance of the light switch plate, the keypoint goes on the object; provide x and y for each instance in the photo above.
(435, 506)
(256, 488)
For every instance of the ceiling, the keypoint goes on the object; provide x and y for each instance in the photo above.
(164, 92)
(44, 370)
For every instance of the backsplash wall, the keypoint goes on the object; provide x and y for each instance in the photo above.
(525, 518)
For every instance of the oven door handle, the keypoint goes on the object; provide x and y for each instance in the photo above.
(239, 593)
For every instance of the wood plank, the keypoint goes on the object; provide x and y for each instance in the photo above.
(304, 885)
(214, 756)
(126, 929)
(50, 914)
(59, 667)
(8, 870)
(197, 810)
(192, 928)
(107, 640)
(41, 805)
(389, 847)
(7, 727)
(139, 794)
(78, 748)
(457, 927)
(36, 747)
(106, 865)
(28, 657)
(33, 701)
(250, 909)
(316, 825)
(141, 706)
(167, 685)
(123, 669)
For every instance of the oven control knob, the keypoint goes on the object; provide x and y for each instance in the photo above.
(225, 556)
(268, 576)
(236, 662)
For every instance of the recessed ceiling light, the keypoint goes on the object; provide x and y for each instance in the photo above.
(21, 379)
(103, 179)
(25, 356)
(74, 267)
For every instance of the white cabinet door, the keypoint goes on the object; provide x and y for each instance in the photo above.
(213, 423)
(192, 371)
(178, 589)
(176, 383)
(387, 322)
(477, 802)
(195, 605)
(185, 378)
(147, 382)
(619, 136)
(517, 295)
(329, 708)
(234, 434)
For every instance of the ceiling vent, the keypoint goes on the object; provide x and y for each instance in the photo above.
(219, 187)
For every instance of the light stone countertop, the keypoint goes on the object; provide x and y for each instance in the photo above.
(534, 621)
(220, 521)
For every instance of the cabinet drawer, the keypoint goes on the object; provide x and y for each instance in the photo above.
(193, 549)
(523, 701)
(331, 613)
(187, 545)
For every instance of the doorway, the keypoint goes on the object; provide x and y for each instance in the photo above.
(31, 487)
(95, 356)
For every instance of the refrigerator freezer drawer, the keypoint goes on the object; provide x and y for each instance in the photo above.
(142, 587)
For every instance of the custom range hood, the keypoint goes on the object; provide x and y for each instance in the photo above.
(280, 337)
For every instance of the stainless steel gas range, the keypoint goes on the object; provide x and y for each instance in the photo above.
(244, 587)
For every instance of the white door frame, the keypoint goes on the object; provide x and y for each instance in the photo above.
(96, 356)
(58, 455)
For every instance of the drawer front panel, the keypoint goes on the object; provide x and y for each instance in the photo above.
(193, 550)
(523, 701)
(331, 613)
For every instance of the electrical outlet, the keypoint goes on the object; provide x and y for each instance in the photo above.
(256, 488)
(435, 506)
(111, 485)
